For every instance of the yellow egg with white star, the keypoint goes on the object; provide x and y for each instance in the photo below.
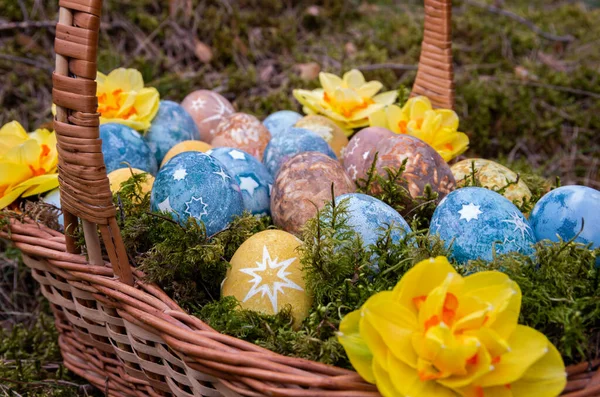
(266, 275)
(186, 146)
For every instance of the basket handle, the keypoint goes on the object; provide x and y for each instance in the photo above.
(84, 185)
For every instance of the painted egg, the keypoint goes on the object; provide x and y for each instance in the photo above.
(118, 177)
(370, 218)
(252, 176)
(123, 147)
(567, 211)
(280, 121)
(207, 109)
(186, 146)
(424, 166)
(171, 125)
(360, 147)
(53, 198)
(266, 275)
(198, 185)
(326, 129)
(475, 221)
(296, 140)
(493, 176)
(303, 183)
(242, 131)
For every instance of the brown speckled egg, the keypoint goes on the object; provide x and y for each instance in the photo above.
(424, 165)
(242, 131)
(326, 129)
(361, 145)
(207, 108)
(303, 182)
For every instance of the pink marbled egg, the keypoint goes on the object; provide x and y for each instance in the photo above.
(207, 108)
(242, 131)
(361, 145)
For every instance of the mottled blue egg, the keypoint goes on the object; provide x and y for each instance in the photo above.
(253, 177)
(370, 218)
(198, 185)
(563, 211)
(474, 221)
(278, 122)
(53, 198)
(296, 140)
(172, 124)
(123, 146)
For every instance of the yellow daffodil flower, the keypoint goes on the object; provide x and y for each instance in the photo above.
(437, 127)
(349, 101)
(123, 99)
(28, 162)
(439, 334)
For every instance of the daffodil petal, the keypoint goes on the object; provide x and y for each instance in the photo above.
(449, 118)
(126, 79)
(378, 119)
(545, 378)
(365, 113)
(407, 383)
(353, 79)
(386, 98)
(330, 82)
(12, 174)
(394, 115)
(417, 107)
(40, 184)
(383, 380)
(11, 195)
(357, 350)
(369, 89)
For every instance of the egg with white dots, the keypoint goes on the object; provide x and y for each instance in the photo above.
(252, 176)
(124, 147)
(474, 222)
(194, 184)
(278, 122)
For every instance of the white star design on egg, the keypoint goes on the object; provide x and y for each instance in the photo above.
(198, 104)
(179, 174)
(222, 174)
(519, 225)
(248, 184)
(354, 145)
(194, 205)
(270, 188)
(470, 212)
(222, 110)
(165, 206)
(274, 288)
(237, 155)
(354, 171)
(366, 154)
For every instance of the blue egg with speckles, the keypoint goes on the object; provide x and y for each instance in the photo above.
(123, 146)
(172, 124)
(53, 198)
(564, 211)
(252, 176)
(370, 218)
(474, 222)
(198, 185)
(280, 121)
(295, 141)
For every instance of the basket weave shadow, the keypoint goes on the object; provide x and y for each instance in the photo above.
(127, 337)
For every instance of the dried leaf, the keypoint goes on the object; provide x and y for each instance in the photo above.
(203, 52)
(350, 49)
(308, 71)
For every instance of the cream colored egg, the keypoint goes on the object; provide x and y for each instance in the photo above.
(121, 175)
(266, 275)
(326, 129)
(186, 146)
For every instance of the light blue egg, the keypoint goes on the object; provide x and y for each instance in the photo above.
(53, 198)
(474, 221)
(278, 122)
(251, 175)
(296, 140)
(123, 146)
(172, 124)
(370, 218)
(564, 211)
(198, 185)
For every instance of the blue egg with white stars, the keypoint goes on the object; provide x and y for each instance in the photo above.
(198, 185)
(295, 141)
(123, 146)
(280, 121)
(371, 217)
(474, 221)
(566, 211)
(172, 124)
(252, 176)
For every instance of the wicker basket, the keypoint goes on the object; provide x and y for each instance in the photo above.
(127, 337)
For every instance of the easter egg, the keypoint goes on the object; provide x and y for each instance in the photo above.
(566, 211)
(171, 125)
(359, 148)
(53, 198)
(475, 221)
(370, 218)
(186, 146)
(326, 129)
(280, 121)
(207, 108)
(242, 131)
(118, 177)
(197, 185)
(252, 176)
(302, 186)
(423, 166)
(266, 275)
(123, 147)
(493, 176)
(296, 140)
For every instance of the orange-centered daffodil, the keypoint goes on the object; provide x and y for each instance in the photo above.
(349, 101)
(28, 162)
(437, 127)
(439, 334)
